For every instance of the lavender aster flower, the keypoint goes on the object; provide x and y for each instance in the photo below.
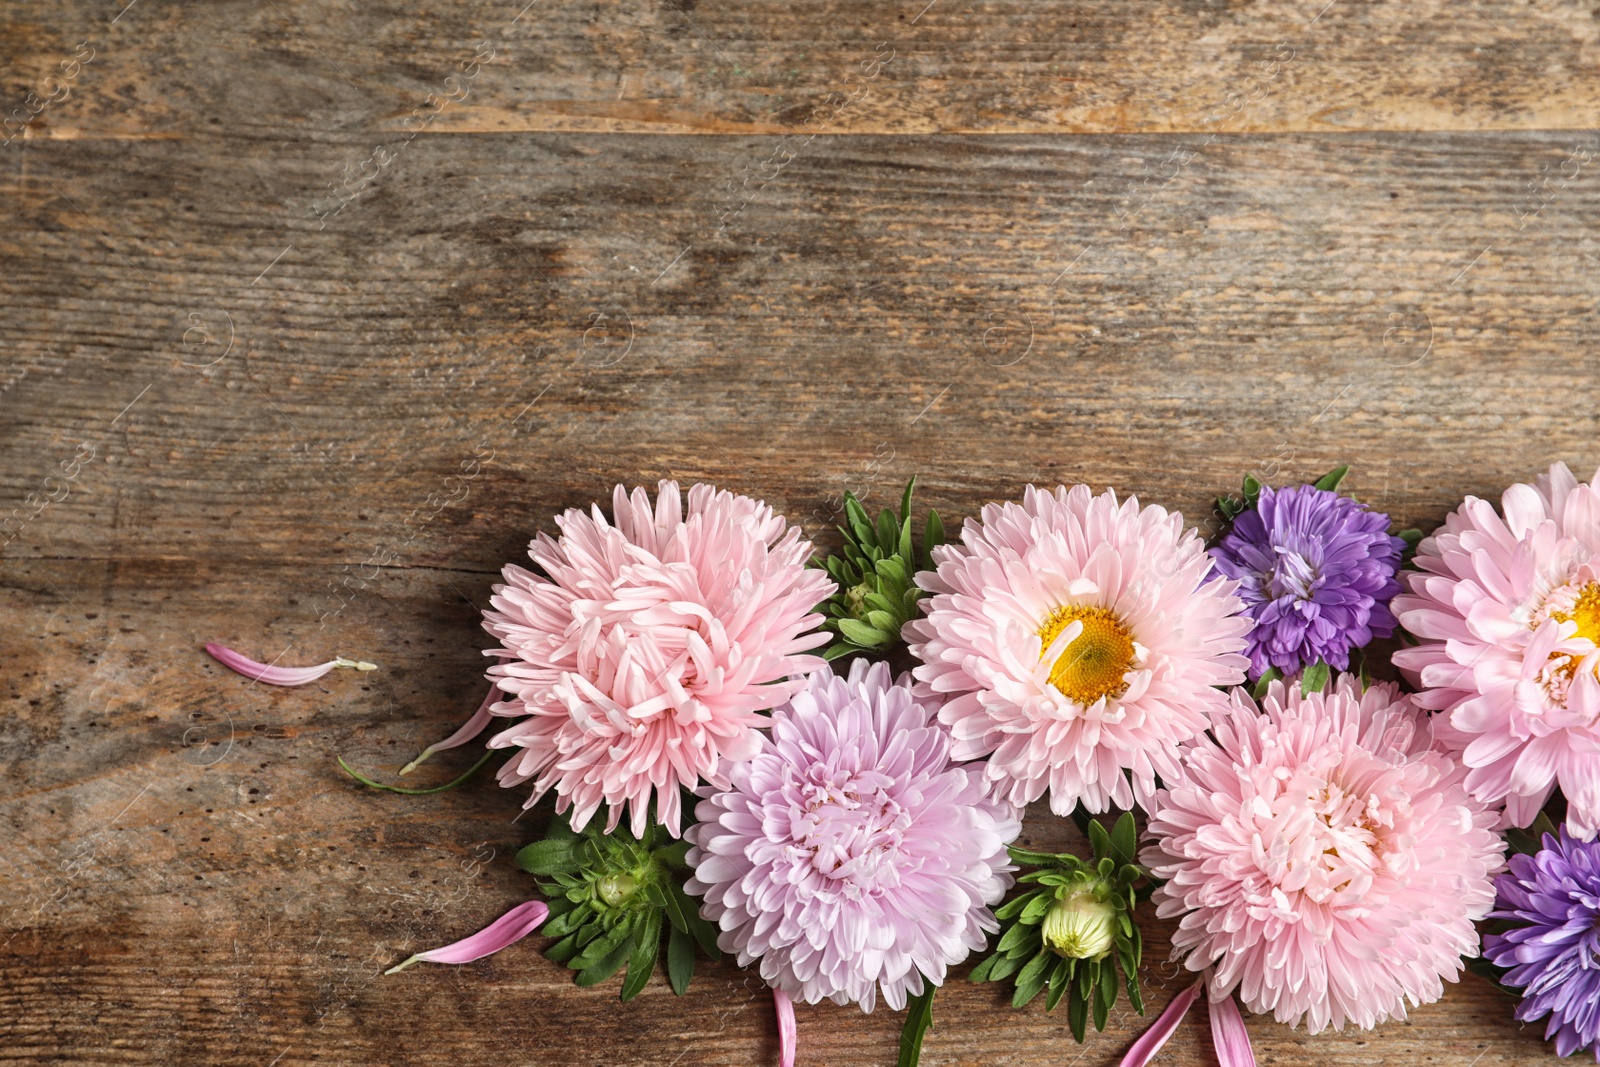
(850, 855)
(1316, 571)
(1554, 955)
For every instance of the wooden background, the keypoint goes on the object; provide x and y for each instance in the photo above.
(300, 341)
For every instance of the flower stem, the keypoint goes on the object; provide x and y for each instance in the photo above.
(364, 780)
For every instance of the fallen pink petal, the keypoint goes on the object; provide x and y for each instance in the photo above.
(510, 928)
(274, 675)
(788, 1033)
(1150, 1042)
(1229, 1035)
(469, 729)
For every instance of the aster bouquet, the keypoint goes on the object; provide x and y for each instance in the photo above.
(1327, 844)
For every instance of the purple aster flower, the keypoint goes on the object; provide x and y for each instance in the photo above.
(850, 855)
(1316, 571)
(1554, 954)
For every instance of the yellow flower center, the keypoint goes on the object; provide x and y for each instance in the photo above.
(1093, 663)
(1586, 613)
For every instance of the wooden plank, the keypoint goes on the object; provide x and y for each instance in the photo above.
(721, 66)
(508, 334)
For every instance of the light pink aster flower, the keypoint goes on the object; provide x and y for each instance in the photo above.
(1508, 610)
(851, 855)
(1077, 639)
(1327, 862)
(645, 655)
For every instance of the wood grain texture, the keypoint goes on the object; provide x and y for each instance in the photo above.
(265, 70)
(273, 371)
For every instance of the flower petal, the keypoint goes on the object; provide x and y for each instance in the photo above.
(1228, 1034)
(1151, 1040)
(787, 1032)
(468, 730)
(510, 928)
(273, 675)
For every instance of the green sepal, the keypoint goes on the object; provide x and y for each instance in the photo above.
(1268, 676)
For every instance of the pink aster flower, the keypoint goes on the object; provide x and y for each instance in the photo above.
(850, 855)
(645, 654)
(1327, 862)
(1508, 612)
(1077, 639)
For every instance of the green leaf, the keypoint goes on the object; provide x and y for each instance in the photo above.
(1004, 967)
(1037, 907)
(1099, 840)
(856, 515)
(549, 857)
(602, 969)
(705, 934)
(602, 946)
(893, 569)
(1031, 978)
(836, 651)
(1107, 993)
(905, 499)
(680, 960)
(1315, 678)
(1229, 508)
(1012, 938)
(1268, 676)
(1060, 982)
(888, 531)
(1125, 840)
(642, 961)
(883, 622)
(980, 973)
(1252, 493)
(864, 635)
(1078, 1006)
(903, 546)
(562, 951)
(932, 536)
(1530, 841)
(919, 1010)
(675, 855)
(567, 923)
(1331, 480)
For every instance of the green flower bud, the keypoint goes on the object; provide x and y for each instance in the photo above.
(1080, 926)
(618, 889)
